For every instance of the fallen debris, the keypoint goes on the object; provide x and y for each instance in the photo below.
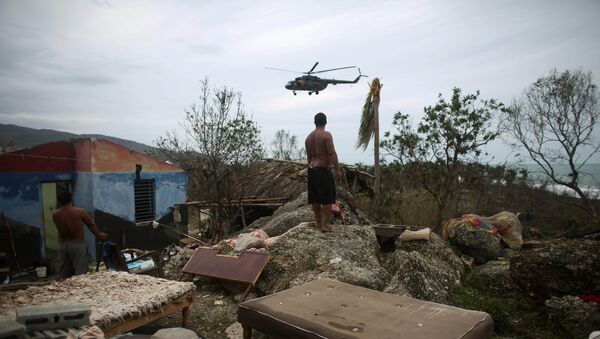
(574, 314)
(494, 276)
(558, 267)
(305, 253)
(422, 234)
(424, 269)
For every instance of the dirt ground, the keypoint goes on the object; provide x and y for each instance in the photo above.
(210, 315)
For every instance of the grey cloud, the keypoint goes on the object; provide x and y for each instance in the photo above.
(36, 63)
(204, 49)
(102, 3)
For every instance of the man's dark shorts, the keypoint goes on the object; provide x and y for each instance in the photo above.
(321, 186)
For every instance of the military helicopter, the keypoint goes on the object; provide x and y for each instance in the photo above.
(314, 84)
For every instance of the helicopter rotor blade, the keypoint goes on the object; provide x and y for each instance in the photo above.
(312, 69)
(283, 70)
(333, 69)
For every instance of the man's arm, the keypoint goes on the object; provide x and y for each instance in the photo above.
(332, 155)
(308, 157)
(92, 226)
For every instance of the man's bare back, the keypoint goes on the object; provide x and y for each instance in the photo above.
(320, 150)
(69, 220)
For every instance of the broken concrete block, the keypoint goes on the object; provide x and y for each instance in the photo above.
(174, 333)
(38, 318)
(11, 329)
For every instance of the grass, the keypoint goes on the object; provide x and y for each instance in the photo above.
(514, 315)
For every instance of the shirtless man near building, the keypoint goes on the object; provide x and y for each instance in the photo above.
(69, 220)
(321, 156)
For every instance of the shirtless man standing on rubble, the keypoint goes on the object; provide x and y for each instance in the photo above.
(321, 156)
(72, 252)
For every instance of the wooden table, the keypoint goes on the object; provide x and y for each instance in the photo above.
(182, 304)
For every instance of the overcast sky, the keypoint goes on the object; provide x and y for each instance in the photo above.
(128, 68)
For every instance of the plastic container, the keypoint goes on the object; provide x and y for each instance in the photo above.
(41, 271)
(147, 264)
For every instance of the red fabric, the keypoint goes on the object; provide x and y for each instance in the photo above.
(588, 298)
(338, 210)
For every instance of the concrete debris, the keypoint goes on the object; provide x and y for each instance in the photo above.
(235, 331)
(494, 276)
(481, 245)
(173, 266)
(417, 276)
(174, 333)
(559, 267)
(304, 254)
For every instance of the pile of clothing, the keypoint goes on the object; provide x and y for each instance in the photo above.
(504, 224)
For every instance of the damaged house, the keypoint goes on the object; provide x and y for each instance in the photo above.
(123, 190)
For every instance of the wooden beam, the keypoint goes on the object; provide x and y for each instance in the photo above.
(388, 230)
(235, 201)
(285, 161)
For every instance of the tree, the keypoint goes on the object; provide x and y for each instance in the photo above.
(448, 137)
(285, 146)
(219, 140)
(554, 123)
(369, 128)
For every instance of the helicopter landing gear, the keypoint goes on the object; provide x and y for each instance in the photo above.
(295, 93)
(309, 93)
(317, 92)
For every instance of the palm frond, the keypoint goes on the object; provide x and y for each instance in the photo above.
(367, 121)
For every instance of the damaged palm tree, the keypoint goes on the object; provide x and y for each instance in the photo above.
(369, 128)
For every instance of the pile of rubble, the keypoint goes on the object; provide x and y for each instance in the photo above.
(175, 260)
(555, 272)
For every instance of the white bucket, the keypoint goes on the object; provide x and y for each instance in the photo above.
(40, 271)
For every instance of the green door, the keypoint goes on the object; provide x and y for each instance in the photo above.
(49, 204)
(50, 192)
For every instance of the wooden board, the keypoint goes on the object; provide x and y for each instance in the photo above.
(387, 230)
(245, 268)
(182, 303)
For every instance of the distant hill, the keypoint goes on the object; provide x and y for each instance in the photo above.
(25, 137)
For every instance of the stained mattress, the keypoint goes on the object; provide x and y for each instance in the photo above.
(332, 309)
(112, 296)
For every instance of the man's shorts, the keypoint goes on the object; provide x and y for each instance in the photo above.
(321, 186)
(72, 259)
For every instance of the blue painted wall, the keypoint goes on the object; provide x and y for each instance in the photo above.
(21, 196)
(171, 189)
(113, 192)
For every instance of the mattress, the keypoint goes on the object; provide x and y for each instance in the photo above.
(112, 296)
(332, 309)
